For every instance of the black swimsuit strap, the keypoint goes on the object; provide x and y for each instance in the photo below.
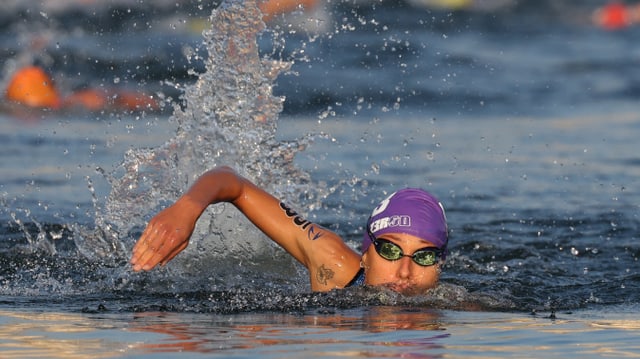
(358, 279)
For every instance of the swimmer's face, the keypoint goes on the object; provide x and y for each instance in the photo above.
(403, 275)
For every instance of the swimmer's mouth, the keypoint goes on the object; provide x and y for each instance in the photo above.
(402, 288)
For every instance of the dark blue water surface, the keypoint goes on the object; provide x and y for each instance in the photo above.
(523, 119)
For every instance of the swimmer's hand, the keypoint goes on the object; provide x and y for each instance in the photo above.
(166, 235)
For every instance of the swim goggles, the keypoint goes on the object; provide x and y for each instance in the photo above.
(392, 252)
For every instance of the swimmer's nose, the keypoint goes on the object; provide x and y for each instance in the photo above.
(405, 267)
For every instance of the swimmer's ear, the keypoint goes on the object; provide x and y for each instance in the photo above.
(364, 263)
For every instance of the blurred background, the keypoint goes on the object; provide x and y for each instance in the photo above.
(353, 57)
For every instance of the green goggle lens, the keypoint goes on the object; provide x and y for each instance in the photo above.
(392, 252)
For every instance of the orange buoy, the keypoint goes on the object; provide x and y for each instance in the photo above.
(31, 86)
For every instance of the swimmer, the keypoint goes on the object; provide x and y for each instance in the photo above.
(404, 243)
(616, 15)
(32, 87)
(272, 8)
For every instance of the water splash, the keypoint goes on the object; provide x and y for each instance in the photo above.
(228, 117)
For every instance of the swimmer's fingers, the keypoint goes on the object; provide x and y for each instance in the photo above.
(163, 249)
(158, 243)
(142, 245)
(147, 247)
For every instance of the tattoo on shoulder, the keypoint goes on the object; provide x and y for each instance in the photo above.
(324, 274)
(313, 232)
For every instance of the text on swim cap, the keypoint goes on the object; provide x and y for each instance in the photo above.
(387, 222)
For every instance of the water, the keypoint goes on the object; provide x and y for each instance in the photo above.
(375, 332)
(522, 120)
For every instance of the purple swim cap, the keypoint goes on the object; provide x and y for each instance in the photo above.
(411, 211)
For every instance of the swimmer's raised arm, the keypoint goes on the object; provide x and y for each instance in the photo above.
(331, 263)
